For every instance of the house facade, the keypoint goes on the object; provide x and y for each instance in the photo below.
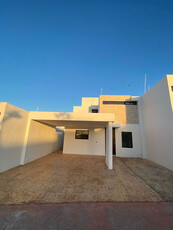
(126, 139)
(109, 125)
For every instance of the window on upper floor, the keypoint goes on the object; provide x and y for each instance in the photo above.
(94, 111)
(120, 102)
(127, 140)
(130, 102)
(172, 88)
(82, 134)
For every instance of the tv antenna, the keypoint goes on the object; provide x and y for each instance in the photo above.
(145, 83)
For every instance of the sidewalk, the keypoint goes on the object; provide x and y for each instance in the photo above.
(87, 216)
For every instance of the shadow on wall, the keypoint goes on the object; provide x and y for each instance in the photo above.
(46, 139)
(12, 136)
(33, 154)
(63, 116)
(11, 114)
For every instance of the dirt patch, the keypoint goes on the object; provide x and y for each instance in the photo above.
(159, 178)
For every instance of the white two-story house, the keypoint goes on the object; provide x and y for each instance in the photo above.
(108, 125)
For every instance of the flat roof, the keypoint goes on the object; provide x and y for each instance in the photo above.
(73, 120)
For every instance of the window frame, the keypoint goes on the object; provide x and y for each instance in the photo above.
(127, 145)
(119, 102)
(79, 136)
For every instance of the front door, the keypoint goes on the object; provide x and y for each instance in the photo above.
(113, 142)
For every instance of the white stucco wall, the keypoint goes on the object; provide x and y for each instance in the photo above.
(2, 112)
(170, 88)
(136, 138)
(88, 103)
(158, 122)
(12, 131)
(95, 145)
(41, 140)
(141, 128)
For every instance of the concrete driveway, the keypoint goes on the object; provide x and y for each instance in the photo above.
(58, 178)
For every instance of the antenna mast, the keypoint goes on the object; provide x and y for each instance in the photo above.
(145, 83)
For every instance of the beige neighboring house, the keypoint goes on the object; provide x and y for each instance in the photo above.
(110, 125)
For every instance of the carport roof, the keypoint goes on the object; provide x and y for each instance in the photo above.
(73, 120)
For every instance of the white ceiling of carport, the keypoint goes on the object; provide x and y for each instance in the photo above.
(74, 124)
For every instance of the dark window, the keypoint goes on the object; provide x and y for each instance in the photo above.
(127, 140)
(172, 87)
(113, 102)
(94, 110)
(120, 102)
(130, 102)
(82, 134)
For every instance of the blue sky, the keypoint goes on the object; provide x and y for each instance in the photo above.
(54, 52)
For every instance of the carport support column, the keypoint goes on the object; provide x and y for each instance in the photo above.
(109, 159)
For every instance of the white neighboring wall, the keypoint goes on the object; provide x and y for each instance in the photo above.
(95, 145)
(41, 140)
(19, 135)
(2, 112)
(158, 122)
(12, 131)
(136, 139)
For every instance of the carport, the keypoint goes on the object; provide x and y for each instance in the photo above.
(76, 121)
